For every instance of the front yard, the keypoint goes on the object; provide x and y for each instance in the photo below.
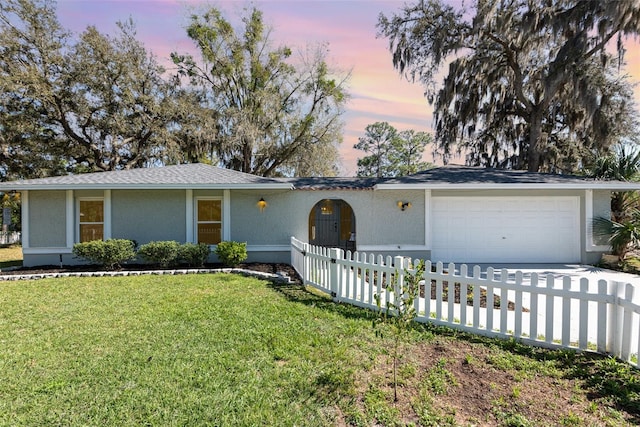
(229, 350)
(10, 256)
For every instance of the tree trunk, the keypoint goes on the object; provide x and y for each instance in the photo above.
(247, 152)
(536, 145)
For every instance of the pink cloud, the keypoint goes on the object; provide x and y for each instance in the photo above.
(632, 58)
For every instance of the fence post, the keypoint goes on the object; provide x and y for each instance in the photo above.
(305, 264)
(614, 320)
(603, 325)
(334, 272)
(626, 315)
(398, 264)
(398, 282)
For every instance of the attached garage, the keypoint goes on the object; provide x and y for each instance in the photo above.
(509, 229)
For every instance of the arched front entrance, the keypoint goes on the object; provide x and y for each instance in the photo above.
(332, 223)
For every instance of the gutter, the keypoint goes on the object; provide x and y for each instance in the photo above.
(6, 187)
(603, 185)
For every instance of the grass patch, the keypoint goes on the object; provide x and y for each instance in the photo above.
(215, 349)
(632, 264)
(10, 256)
(223, 349)
(439, 380)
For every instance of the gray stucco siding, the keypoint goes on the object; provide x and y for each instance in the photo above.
(148, 215)
(601, 203)
(207, 193)
(272, 226)
(88, 193)
(601, 209)
(47, 219)
(379, 221)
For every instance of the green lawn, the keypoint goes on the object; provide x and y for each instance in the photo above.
(227, 350)
(159, 350)
(10, 256)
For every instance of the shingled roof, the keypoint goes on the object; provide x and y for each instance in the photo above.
(466, 177)
(462, 177)
(332, 183)
(187, 176)
(202, 176)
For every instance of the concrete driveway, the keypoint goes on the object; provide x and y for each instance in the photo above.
(575, 271)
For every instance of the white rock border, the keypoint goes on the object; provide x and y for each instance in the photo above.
(279, 277)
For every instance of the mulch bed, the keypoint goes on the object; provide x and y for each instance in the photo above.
(511, 306)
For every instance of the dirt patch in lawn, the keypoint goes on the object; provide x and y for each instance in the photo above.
(456, 382)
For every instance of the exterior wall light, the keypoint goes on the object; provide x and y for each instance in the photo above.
(403, 206)
(262, 204)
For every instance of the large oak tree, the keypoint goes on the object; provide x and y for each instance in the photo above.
(76, 104)
(274, 115)
(530, 85)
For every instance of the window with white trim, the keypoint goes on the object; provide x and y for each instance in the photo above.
(209, 221)
(91, 219)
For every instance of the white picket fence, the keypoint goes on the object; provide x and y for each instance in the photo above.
(9, 237)
(541, 310)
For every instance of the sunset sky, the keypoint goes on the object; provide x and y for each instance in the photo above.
(377, 92)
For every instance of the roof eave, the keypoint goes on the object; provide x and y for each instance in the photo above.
(516, 186)
(271, 186)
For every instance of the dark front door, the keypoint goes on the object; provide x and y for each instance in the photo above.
(328, 224)
(332, 224)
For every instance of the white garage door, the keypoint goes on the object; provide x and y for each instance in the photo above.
(505, 229)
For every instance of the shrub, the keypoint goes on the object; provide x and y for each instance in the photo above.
(231, 253)
(398, 312)
(623, 236)
(195, 255)
(109, 253)
(163, 253)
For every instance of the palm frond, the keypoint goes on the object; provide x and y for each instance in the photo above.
(622, 236)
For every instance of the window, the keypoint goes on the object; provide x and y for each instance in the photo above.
(91, 222)
(209, 221)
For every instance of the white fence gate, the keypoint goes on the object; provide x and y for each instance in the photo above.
(541, 311)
